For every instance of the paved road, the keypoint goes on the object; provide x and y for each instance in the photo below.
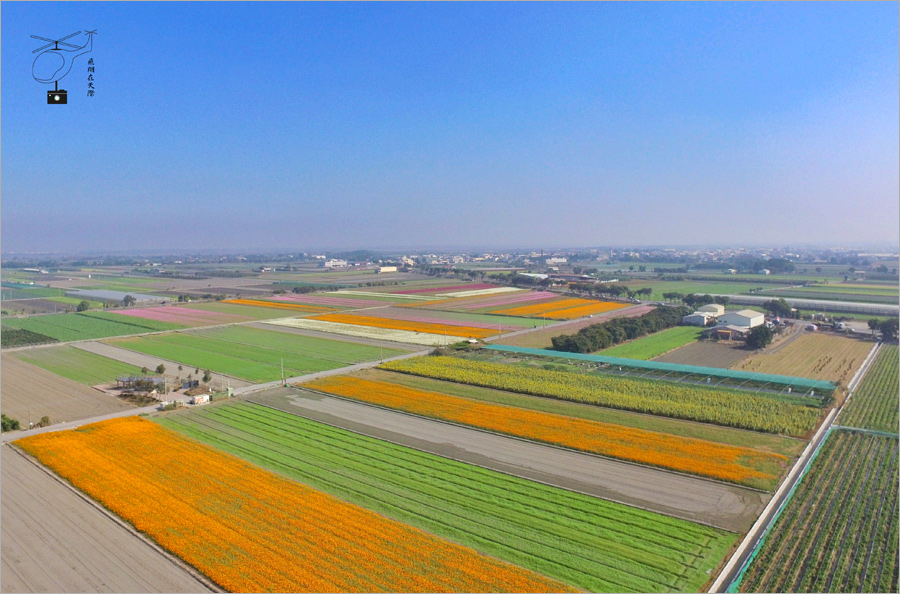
(13, 435)
(725, 506)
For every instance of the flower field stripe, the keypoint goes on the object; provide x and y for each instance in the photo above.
(329, 301)
(467, 331)
(540, 308)
(565, 309)
(469, 287)
(404, 336)
(419, 319)
(708, 405)
(510, 299)
(594, 544)
(692, 456)
(570, 313)
(387, 296)
(251, 530)
(181, 315)
(480, 292)
(288, 306)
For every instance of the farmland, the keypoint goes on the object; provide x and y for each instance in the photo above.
(252, 354)
(720, 407)
(564, 309)
(816, 356)
(182, 315)
(78, 547)
(247, 311)
(402, 336)
(542, 339)
(17, 337)
(692, 456)
(251, 530)
(708, 354)
(452, 318)
(583, 541)
(408, 326)
(874, 402)
(839, 531)
(763, 442)
(294, 308)
(80, 366)
(84, 326)
(30, 392)
(654, 345)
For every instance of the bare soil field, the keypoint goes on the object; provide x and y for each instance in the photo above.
(812, 355)
(707, 354)
(54, 540)
(33, 306)
(28, 389)
(150, 362)
(540, 339)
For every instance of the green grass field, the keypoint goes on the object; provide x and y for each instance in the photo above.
(252, 354)
(87, 325)
(248, 311)
(81, 366)
(75, 301)
(687, 287)
(594, 544)
(654, 345)
(874, 402)
(764, 442)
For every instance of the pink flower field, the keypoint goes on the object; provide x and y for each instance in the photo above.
(182, 315)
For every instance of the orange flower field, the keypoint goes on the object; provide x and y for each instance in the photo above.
(289, 306)
(694, 456)
(425, 327)
(565, 309)
(250, 530)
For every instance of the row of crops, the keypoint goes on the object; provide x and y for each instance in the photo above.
(593, 544)
(839, 531)
(86, 326)
(874, 403)
(721, 407)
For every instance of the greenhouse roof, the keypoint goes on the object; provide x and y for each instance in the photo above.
(731, 374)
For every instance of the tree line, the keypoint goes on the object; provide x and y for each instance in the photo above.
(606, 334)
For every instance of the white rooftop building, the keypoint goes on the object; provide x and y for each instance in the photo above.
(713, 308)
(745, 318)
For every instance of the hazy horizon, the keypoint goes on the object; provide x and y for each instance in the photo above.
(254, 126)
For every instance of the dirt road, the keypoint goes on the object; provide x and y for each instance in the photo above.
(717, 504)
(53, 540)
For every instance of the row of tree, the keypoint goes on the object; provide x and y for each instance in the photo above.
(604, 335)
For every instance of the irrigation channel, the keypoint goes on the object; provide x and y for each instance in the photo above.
(745, 552)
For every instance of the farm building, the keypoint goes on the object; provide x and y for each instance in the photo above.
(729, 332)
(698, 318)
(745, 318)
(765, 271)
(385, 269)
(335, 264)
(713, 308)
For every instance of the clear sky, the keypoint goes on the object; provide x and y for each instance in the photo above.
(302, 125)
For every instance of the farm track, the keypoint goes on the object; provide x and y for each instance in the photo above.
(708, 502)
(57, 540)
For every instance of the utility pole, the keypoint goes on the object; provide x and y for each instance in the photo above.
(283, 384)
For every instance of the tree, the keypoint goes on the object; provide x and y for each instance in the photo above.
(83, 306)
(874, 323)
(144, 371)
(160, 369)
(723, 300)
(128, 301)
(760, 336)
(889, 329)
(9, 424)
(207, 375)
(778, 307)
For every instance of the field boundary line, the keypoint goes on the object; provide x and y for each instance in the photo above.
(190, 569)
(867, 431)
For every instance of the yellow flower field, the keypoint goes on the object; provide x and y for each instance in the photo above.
(250, 530)
(694, 456)
(593, 308)
(288, 306)
(425, 327)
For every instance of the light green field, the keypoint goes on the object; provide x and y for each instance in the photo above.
(596, 545)
(87, 325)
(81, 366)
(654, 345)
(874, 404)
(250, 312)
(75, 301)
(252, 354)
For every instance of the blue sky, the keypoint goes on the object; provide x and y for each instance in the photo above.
(302, 125)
